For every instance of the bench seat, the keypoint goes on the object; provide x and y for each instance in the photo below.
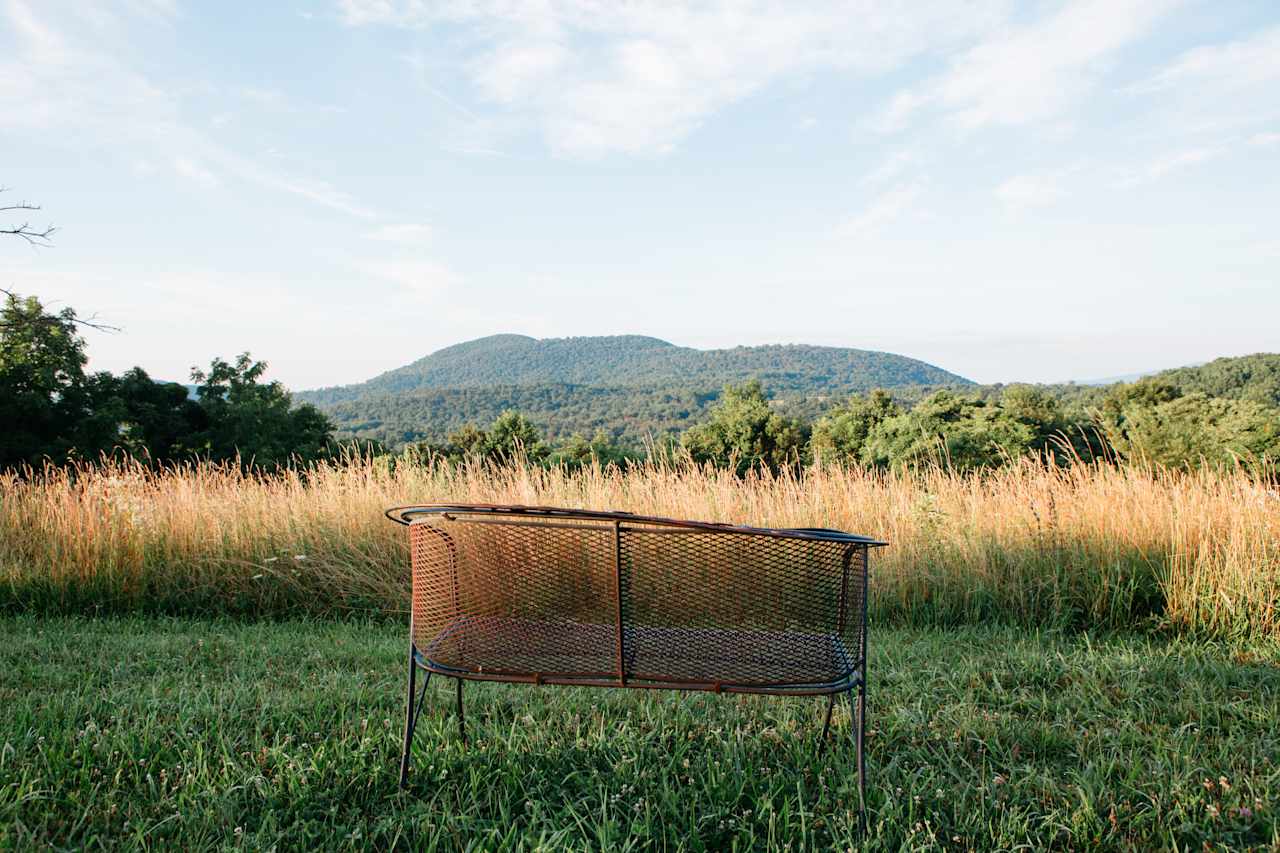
(559, 651)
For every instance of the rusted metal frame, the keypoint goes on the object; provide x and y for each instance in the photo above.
(617, 598)
(842, 613)
(609, 678)
(656, 527)
(862, 700)
(402, 515)
(853, 679)
(541, 525)
(843, 605)
(462, 720)
(410, 719)
(635, 682)
(422, 697)
(826, 725)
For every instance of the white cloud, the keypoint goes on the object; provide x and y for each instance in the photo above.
(418, 277)
(885, 208)
(1034, 72)
(192, 169)
(1162, 166)
(640, 77)
(409, 232)
(514, 70)
(1215, 90)
(69, 77)
(1235, 65)
(1265, 139)
(894, 165)
(1026, 191)
(901, 109)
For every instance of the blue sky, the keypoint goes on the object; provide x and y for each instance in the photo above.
(1032, 191)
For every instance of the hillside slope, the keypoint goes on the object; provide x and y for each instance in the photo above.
(633, 360)
(668, 404)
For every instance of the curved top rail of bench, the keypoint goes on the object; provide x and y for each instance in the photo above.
(407, 514)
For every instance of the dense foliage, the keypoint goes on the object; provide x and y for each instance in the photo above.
(52, 410)
(626, 414)
(744, 433)
(1251, 377)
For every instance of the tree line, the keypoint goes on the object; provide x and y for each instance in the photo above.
(1150, 420)
(52, 410)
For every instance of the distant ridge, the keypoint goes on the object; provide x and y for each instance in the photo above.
(636, 360)
(631, 387)
(634, 388)
(1134, 377)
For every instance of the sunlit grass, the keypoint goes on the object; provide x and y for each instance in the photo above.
(1075, 546)
(146, 732)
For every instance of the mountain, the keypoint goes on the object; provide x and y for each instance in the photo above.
(630, 386)
(634, 360)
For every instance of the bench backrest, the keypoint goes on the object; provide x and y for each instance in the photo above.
(642, 592)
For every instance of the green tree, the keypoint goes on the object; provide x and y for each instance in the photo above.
(512, 436)
(578, 452)
(743, 432)
(256, 421)
(1193, 429)
(960, 432)
(466, 441)
(155, 420)
(1054, 432)
(841, 435)
(45, 395)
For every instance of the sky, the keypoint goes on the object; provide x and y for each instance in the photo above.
(1034, 191)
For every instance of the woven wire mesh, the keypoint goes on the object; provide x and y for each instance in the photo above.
(635, 601)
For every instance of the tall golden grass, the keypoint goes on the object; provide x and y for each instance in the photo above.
(1081, 545)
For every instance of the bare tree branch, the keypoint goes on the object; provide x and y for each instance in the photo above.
(33, 236)
(40, 238)
(91, 322)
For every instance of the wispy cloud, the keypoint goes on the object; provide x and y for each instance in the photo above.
(885, 208)
(1033, 72)
(409, 232)
(1166, 164)
(421, 278)
(191, 169)
(67, 77)
(639, 78)
(1027, 191)
(1214, 89)
(893, 166)
(1238, 64)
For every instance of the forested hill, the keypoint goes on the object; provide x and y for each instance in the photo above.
(636, 361)
(1249, 377)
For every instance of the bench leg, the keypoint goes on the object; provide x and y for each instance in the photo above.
(861, 735)
(826, 726)
(411, 714)
(462, 721)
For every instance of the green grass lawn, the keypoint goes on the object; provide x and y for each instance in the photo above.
(158, 732)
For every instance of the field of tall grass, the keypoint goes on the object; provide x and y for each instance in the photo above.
(1086, 545)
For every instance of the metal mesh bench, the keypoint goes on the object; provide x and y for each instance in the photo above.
(611, 599)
